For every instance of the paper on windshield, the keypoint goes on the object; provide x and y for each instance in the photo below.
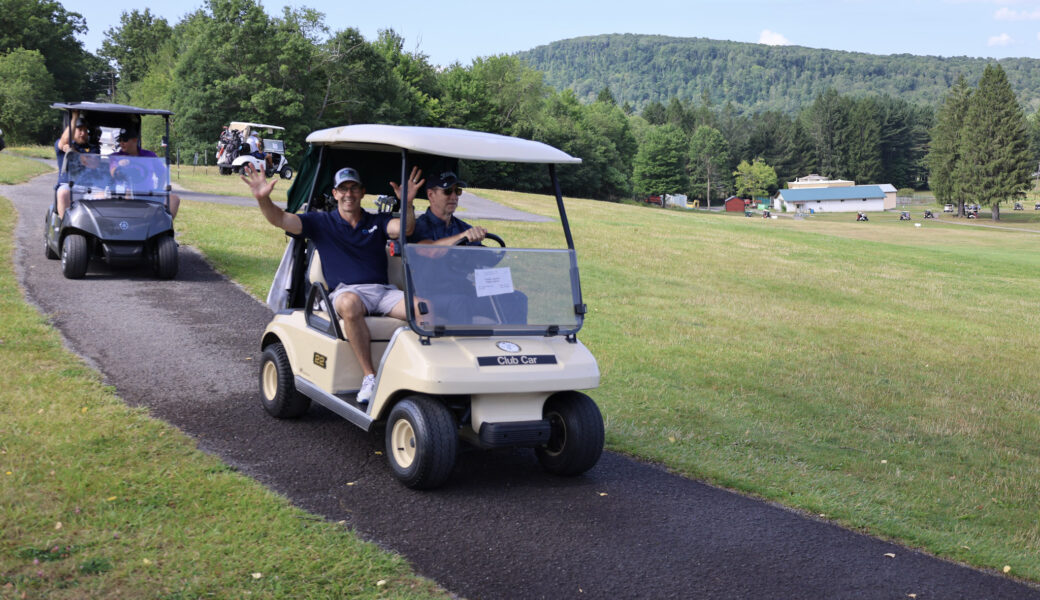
(492, 282)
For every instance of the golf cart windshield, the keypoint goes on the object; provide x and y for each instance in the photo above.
(95, 176)
(495, 289)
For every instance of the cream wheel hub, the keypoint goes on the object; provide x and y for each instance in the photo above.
(403, 438)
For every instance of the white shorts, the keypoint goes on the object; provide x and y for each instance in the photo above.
(378, 299)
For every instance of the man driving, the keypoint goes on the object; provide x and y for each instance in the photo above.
(129, 142)
(438, 225)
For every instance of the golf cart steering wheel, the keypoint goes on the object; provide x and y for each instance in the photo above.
(130, 174)
(487, 236)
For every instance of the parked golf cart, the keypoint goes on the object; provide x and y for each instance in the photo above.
(120, 210)
(233, 154)
(475, 365)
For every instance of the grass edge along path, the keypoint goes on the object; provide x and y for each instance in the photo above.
(102, 501)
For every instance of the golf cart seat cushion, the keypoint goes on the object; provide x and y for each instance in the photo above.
(379, 328)
(395, 270)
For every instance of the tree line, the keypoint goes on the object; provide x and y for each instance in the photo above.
(641, 69)
(230, 60)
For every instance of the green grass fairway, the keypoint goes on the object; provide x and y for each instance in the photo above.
(16, 169)
(879, 374)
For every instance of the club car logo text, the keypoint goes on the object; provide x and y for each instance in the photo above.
(511, 361)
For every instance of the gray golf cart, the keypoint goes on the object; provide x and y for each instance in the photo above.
(492, 360)
(120, 211)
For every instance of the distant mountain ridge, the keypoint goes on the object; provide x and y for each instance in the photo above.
(640, 69)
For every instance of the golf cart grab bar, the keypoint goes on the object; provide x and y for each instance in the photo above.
(329, 326)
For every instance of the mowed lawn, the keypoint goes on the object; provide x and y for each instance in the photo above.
(879, 374)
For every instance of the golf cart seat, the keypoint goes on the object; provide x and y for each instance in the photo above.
(380, 328)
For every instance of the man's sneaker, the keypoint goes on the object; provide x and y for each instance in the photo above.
(368, 387)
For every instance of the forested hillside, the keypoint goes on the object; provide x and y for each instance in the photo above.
(639, 69)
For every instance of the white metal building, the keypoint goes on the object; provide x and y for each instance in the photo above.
(835, 199)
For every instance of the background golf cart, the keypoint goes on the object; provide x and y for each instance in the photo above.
(231, 157)
(492, 378)
(121, 215)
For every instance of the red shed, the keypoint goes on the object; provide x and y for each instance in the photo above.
(734, 204)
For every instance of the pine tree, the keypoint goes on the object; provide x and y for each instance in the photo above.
(995, 158)
(945, 152)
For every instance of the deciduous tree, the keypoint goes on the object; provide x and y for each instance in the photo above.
(660, 163)
(709, 161)
(27, 86)
(754, 179)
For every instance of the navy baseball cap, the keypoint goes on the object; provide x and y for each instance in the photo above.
(81, 122)
(346, 174)
(445, 181)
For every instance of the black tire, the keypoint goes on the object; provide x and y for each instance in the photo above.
(224, 170)
(74, 256)
(286, 172)
(277, 387)
(164, 257)
(421, 442)
(576, 438)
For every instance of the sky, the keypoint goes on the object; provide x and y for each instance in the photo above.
(447, 31)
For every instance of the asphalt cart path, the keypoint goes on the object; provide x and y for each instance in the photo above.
(187, 350)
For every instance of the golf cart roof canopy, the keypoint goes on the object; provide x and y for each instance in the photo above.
(109, 108)
(454, 143)
(242, 126)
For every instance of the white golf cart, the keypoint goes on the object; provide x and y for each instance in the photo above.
(234, 152)
(492, 360)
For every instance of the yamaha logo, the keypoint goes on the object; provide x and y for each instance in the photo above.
(123, 225)
(508, 347)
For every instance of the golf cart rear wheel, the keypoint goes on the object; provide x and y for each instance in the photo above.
(164, 260)
(576, 434)
(74, 256)
(286, 173)
(278, 388)
(421, 442)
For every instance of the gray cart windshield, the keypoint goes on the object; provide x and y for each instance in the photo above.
(98, 177)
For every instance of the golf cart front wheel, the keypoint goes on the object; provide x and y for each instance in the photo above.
(74, 256)
(575, 436)
(277, 387)
(421, 442)
(286, 173)
(164, 259)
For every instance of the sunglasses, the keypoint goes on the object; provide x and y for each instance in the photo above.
(452, 190)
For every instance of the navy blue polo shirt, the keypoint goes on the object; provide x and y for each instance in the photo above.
(429, 227)
(349, 255)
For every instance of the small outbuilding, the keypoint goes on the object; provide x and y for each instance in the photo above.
(734, 204)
